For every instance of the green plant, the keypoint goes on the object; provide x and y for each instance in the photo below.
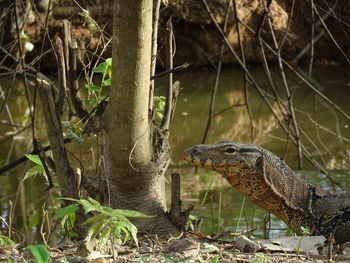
(67, 217)
(205, 198)
(6, 242)
(212, 248)
(108, 223)
(104, 68)
(240, 214)
(219, 213)
(159, 102)
(143, 258)
(304, 232)
(174, 259)
(192, 222)
(260, 258)
(213, 260)
(38, 169)
(40, 253)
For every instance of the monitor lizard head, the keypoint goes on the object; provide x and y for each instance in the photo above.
(225, 156)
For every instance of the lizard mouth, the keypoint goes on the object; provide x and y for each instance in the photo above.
(193, 156)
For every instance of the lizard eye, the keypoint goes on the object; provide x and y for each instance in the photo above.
(230, 150)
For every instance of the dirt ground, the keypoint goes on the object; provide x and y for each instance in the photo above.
(189, 248)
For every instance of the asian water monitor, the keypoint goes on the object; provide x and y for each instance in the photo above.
(267, 181)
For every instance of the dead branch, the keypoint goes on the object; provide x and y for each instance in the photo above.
(64, 172)
(71, 63)
(169, 65)
(156, 7)
(177, 216)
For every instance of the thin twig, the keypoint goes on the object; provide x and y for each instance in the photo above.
(302, 76)
(217, 79)
(331, 35)
(246, 80)
(291, 113)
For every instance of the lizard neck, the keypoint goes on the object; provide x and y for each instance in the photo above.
(273, 186)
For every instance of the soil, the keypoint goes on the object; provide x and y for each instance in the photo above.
(189, 248)
(197, 39)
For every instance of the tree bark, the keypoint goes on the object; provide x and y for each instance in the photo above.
(134, 160)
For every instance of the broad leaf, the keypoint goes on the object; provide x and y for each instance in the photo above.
(107, 82)
(109, 61)
(34, 158)
(40, 253)
(96, 228)
(37, 169)
(105, 234)
(66, 211)
(100, 68)
(5, 241)
(88, 207)
(132, 213)
(95, 218)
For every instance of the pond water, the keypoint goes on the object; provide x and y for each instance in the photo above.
(231, 122)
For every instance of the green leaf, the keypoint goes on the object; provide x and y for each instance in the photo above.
(97, 228)
(40, 253)
(127, 234)
(159, 115)
(132, 213)
(100, 68)
(109, 61)
(105, 234)
(24, 37)
(66, 211)
(5, 241)
(305, 231)
(107, 82)
(210, 247)
(94, 202)
(35, 170)
(95, 218)
(143, 258)
(93, 87)
(215, 259)
(185, 259)
(88, 206)
(34, 158)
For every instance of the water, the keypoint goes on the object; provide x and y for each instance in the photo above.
(187, 129)
(233, 124)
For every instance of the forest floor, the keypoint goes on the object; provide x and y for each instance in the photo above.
(187, 249)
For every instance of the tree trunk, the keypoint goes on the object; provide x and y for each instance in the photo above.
(134, 160)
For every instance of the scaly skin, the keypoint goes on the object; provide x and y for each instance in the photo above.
(268, 182)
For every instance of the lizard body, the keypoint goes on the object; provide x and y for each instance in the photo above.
(268, 182)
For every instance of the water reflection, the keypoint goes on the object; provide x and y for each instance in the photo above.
(319, 121)
(329, 131)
